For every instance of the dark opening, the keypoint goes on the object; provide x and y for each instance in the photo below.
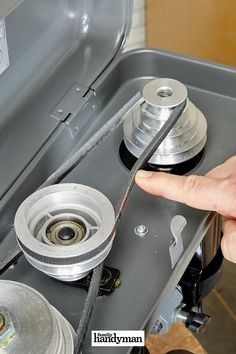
(182, 168)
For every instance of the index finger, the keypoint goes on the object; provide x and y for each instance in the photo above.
(201, 192)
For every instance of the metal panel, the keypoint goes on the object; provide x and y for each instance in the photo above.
(43, 34)
(46, 39)
(6, 6)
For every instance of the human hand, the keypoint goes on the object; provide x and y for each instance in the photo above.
(216, 191)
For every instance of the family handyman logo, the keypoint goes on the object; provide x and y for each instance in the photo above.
(117, 338)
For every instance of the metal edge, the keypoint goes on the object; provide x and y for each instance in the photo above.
(178, 271)
(124, 38)
(7, 6)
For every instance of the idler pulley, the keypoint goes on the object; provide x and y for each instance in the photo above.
(65, 230)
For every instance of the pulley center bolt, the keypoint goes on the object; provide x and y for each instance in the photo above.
(2, 322)
(164, 92)
(141, 230)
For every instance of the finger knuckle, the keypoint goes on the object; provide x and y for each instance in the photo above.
(228, 188)
(190, 186)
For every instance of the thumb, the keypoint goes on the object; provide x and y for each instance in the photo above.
(201, 192)
(228, 243)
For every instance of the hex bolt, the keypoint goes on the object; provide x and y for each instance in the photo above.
(2, 322)
(117, 283)
(7, 328)
(141, 230)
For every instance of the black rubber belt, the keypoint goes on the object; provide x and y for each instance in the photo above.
(68, 166)
(122, 202)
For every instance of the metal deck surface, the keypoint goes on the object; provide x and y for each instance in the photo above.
(147, 279)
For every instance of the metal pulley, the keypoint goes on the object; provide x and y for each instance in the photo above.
(185, 140)
(29, 323)
(65, 230)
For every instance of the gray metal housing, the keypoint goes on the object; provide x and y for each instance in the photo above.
(46, 39)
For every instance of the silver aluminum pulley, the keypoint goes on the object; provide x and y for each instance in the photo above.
(65, 230)
(185, 140)
(28, 323)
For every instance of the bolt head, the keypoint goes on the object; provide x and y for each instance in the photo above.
(7, 328)
(141, 230)
(2, 322)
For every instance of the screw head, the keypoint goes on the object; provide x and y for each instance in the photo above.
(117, 283)
(2, 322)
(141, 230)
(7, 328)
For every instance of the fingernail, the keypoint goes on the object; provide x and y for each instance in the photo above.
(143, 174)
